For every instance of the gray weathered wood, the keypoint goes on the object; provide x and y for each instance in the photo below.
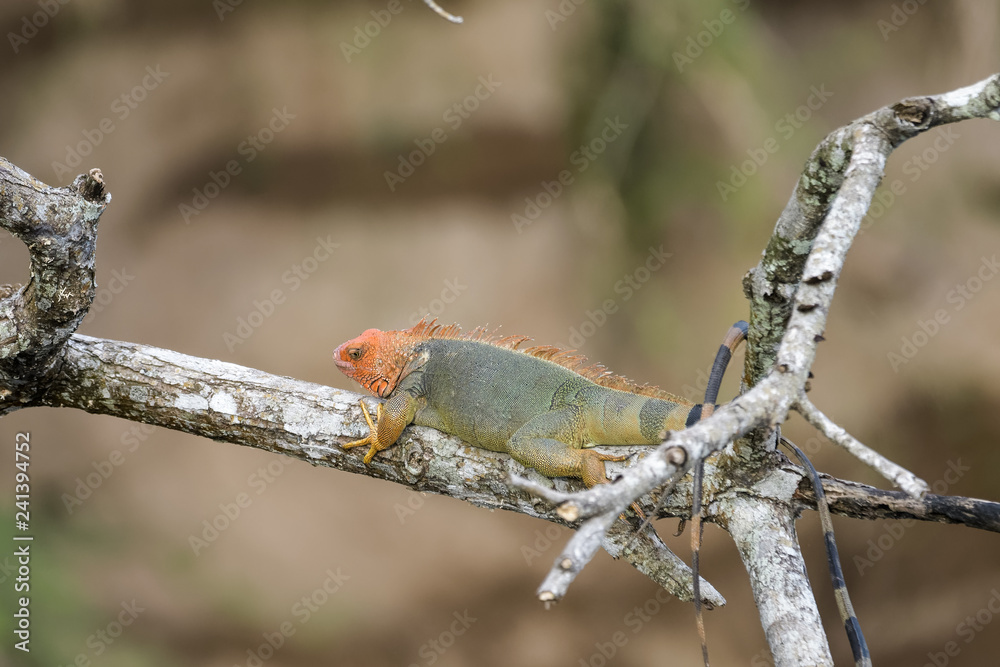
(750, 489)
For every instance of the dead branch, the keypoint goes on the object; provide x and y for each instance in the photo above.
(790, 292)
(244, 406)
(904, 479)
(750, 490)
(860, 501)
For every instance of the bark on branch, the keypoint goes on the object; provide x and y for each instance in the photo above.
(59, 226)
(750, 490)
(307, 421)
(861, 501)
(790, 293)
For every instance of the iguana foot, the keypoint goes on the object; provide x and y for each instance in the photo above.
(597, 474)
(372, 437)
(592, 462)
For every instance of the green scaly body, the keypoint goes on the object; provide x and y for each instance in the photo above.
(497, 397)
(490, 396)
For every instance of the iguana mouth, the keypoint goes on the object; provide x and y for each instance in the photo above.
(339, 360)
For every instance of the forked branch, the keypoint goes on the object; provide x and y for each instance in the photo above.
(752, 491)
(790, 293)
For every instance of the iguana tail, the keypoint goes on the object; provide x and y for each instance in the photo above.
(737, 333)
(857, 640)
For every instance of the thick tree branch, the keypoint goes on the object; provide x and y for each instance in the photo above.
(765, 536)
(307, 421)
(59, 227)
(791, 291)
(855, 155)
(41, 365)
(861, 501)
(748, 490)
(772, 285)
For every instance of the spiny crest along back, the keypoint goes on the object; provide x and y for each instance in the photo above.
(596, 373)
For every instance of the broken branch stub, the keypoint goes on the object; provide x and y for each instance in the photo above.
(59, 228)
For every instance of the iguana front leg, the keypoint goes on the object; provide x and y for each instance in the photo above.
(391, 418)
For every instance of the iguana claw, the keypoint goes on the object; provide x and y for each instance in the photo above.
(372, 437)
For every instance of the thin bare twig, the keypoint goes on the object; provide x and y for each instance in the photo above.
(577, 553)
(442, 13)
(901, 477)
(659, 563)
(791, 291)
(747, 492)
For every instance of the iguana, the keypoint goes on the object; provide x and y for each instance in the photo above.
(542, 405)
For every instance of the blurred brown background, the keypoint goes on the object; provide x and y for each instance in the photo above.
(163, 96)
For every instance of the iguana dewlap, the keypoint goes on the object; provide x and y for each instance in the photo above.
(541, 405)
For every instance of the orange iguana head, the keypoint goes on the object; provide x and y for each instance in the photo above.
(376, 359)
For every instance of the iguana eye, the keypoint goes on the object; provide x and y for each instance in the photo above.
(354, 353)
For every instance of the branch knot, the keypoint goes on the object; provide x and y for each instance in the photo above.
(91, 185)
